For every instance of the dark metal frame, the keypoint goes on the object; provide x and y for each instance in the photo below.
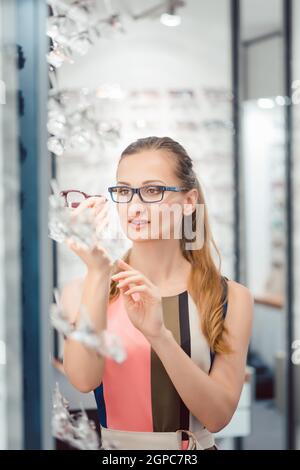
(235, 7)
(54, 249)
(235, 74)
(290, 382)
(54, 258)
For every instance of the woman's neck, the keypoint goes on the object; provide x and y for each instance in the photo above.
(163, 263)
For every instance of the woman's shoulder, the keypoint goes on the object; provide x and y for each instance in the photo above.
(236, 289)
(240, 302)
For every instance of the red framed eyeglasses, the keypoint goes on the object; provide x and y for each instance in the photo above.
(74, 197)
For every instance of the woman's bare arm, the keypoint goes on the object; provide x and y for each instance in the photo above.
(84, 367)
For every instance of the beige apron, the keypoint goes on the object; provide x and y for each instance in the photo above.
(133, 440)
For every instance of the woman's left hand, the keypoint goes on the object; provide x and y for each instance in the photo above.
(146, 311)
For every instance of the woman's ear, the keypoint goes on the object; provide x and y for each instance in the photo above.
(190, 202)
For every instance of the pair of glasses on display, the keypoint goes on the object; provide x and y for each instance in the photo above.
(121, 194)
(73, 197)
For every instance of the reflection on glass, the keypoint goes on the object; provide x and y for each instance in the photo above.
(264, 191)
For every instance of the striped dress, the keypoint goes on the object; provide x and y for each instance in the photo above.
(138, 395)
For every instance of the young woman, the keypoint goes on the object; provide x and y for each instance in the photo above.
(186, 328)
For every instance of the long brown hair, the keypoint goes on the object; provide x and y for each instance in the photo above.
(205, 284)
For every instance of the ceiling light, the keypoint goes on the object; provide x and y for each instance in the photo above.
(266, 103)
(170, 19)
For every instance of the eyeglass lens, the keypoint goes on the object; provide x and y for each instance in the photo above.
(74, 198)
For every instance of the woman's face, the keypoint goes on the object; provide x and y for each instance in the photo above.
(157, 219)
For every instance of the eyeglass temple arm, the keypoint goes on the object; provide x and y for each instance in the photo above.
(173, 188)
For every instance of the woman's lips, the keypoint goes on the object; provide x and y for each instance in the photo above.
(139, 223)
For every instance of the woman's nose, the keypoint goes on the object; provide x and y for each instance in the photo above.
(136, 198)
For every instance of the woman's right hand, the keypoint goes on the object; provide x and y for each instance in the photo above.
(97, 258)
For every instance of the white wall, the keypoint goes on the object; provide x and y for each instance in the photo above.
(259, 18)
(263, 137)
(265, 68)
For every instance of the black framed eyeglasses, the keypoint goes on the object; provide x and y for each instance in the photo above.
(73, 197)
(148, 193)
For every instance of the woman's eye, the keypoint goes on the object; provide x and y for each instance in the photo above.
(123, 192)
(153, 190)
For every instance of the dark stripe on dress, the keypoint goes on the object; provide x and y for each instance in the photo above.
(185, 339)
(225, 292)
(99, 396)
(165, 398)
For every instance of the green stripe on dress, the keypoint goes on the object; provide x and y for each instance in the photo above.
(165, 399)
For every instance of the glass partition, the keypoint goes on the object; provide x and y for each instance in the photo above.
(296, 213)
(143, 77)
(11, 387)
(263, 117)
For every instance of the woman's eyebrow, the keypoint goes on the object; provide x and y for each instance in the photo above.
(144, 182)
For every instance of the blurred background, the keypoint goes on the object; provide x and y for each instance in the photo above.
(79, 81)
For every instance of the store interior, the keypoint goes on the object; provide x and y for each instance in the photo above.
(79, 81)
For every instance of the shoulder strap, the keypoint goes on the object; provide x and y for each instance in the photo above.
(225, 292)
